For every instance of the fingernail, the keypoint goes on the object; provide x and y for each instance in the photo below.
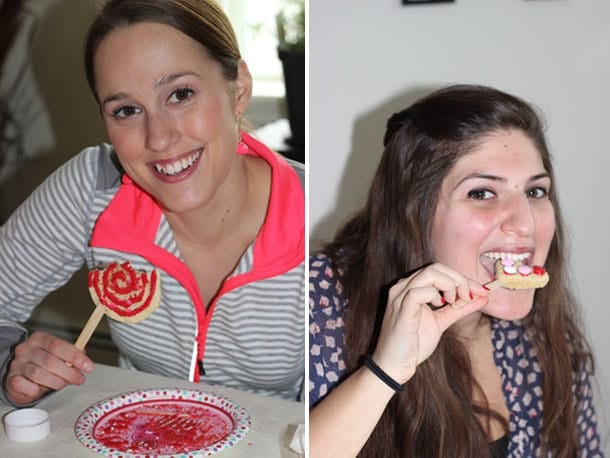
(471, 296)
(485, 287)
(443, 301)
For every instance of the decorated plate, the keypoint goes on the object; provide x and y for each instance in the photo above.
(162, 422)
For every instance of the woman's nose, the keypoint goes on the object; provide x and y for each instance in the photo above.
(160, 133)
(518, 218)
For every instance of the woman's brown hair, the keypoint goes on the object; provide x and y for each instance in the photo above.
(201, 20)
(436, 415)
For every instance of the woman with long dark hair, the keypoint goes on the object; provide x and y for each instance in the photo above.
(410, 354)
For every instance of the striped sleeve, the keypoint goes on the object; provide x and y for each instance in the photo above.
(44, 242)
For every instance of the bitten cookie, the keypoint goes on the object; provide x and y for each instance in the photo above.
(514, 274)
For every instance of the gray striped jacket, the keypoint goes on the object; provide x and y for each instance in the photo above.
(255, 338)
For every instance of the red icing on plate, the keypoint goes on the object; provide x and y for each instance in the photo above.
(163, 427)
(162, 422)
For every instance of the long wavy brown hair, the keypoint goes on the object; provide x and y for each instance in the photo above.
(437, 416)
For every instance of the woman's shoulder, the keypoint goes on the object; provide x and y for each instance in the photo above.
(322, 272)
(72, 185)
(325, 289)
(299, 168)
(93, 168)
(318, 260)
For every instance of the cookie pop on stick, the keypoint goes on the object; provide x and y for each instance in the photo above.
(513, 274)
(122, 293)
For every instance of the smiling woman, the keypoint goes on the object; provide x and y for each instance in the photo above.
(181, 188)
(464, 180)
(179, 107)
(501, 188)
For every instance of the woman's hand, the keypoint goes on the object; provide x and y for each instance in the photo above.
(411, 329)
(43, 363)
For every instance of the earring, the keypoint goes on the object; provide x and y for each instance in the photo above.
(238, 122)
(242, 148)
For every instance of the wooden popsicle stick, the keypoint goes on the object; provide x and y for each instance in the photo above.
(90, 326)
(494, 284)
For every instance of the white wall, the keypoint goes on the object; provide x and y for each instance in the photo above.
(368, 59)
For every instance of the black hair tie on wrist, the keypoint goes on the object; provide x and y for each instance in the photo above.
(379, 372)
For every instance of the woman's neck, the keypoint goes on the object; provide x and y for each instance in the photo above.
(473, 328)
(476, 334)
(237, 208)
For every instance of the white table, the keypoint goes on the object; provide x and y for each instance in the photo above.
(273, 420)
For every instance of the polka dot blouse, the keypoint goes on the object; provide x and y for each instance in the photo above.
(515, 358)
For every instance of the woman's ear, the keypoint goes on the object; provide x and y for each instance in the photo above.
(242, 87)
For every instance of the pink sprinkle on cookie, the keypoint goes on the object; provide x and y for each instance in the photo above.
(530, 276)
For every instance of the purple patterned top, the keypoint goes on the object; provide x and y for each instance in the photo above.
(515, 358)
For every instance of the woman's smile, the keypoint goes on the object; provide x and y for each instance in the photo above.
(488, 259)
(177, 168)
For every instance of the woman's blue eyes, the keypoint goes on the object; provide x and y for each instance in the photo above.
(178, 96)
(536, 192)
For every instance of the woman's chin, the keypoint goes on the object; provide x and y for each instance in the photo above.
(181, 203)
(509, 304)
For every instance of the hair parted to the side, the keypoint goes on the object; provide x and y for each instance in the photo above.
(436, 416)
(202, 20)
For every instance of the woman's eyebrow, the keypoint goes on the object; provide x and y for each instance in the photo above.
(168, 79)
(476, 175)
(487, 176)
(156, 84)
(540, 176)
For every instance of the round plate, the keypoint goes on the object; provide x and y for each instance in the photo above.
(162, 422)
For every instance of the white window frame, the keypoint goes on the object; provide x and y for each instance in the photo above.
(254, 24)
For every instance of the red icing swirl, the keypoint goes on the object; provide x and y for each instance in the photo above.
(121, 289)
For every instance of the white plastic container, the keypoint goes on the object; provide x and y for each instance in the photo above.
(27, 425)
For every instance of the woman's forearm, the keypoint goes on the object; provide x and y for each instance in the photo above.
(341, 423)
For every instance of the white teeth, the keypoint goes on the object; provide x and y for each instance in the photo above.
(178, 166)
(503, 255)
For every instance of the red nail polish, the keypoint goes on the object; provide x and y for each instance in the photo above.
(443, 301)
(485, 287)
(471, 296)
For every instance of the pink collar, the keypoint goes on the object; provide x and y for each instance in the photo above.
(131, 221)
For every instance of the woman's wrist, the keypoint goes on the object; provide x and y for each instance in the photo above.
(390, 382)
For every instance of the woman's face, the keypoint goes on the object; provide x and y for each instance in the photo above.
(495, 201)
(169, 113)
